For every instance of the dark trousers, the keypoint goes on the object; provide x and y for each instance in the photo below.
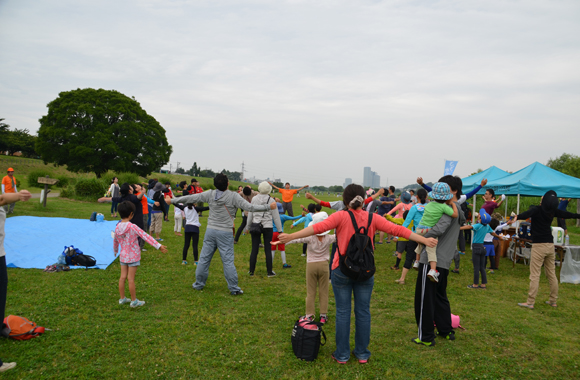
(241, 228)
(192, 237)
(256, 241)
(478, 258)
(432, 305)
(410, 255)
(304, 248)
(3, 291)
(287, 207)
(461, 241)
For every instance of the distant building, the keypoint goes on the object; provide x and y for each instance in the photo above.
(347, 181)
(370, 178)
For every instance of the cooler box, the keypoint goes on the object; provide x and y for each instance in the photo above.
(558, 234)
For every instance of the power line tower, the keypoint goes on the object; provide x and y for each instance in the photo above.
(242, 170)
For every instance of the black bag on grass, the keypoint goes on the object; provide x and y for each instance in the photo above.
(83, 260)
(358, 262)
(306, 339)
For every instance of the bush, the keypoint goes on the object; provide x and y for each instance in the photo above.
(67, 192)
(90, 188)
(63, 181)
(33, 177)
(163, 180)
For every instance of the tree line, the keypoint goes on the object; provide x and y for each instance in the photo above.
(17, 140)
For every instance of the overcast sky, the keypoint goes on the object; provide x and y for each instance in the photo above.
(313, 91)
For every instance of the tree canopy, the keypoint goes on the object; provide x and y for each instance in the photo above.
(99, 130)
(18, 140)
(567, 163)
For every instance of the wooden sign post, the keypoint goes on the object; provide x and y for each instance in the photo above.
(47, 181)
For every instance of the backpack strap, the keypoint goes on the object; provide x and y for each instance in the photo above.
(353, 220)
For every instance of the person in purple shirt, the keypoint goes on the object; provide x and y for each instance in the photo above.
(490, 205)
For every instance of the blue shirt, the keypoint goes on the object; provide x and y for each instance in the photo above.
(383, 209)
(283, 219)
(563, 204)
(305, 219)
(415, 215)
(480, 231)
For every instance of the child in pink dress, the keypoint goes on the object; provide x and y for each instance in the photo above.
(126, 234)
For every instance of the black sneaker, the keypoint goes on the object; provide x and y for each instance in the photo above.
(450, 336)
(237, 293)
(251, 273)
(419, 341)
(272, 274)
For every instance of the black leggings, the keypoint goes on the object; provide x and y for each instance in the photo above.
(194, 238)
(241, 228)
(478, 255)
(3, 290)
(256, 241)
(410, 255)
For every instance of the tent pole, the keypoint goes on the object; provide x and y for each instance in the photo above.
(473, 216)
(518, 208)
(505, 213)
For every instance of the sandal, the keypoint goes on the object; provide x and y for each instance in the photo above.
(552, 304)
(526, 305)
(395, 268)
(473, 287)
(398, 281)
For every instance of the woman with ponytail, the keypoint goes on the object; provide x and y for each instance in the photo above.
(344, 287)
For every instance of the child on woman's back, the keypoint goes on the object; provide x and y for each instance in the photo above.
(441, 194)
(126, 234)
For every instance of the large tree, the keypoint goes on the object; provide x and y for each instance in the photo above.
(99, 130)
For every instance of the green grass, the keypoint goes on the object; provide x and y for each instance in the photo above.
(182, 333)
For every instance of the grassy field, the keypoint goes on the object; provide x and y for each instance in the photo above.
(182, 333)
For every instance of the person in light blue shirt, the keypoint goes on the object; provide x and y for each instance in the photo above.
(478, 252)
(312, 208)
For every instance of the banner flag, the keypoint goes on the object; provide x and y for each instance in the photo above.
(449, 167)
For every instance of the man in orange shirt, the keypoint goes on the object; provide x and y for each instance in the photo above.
(287, 196)
(9, 186)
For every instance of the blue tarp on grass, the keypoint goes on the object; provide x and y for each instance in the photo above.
(35, 242)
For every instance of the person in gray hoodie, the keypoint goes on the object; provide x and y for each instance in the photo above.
(223, 205)
(431, 302)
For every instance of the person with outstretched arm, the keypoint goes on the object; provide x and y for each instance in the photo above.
(543, 245)
(287, 196)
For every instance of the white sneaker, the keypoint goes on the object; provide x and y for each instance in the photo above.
(124, 301)
(7, 366)
(433, 275)
(416, 265)
(137, 303)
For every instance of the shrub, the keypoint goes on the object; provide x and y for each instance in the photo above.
(33, 177)
(163, 180)
(67, 192)
(90, 188)
(63, 181)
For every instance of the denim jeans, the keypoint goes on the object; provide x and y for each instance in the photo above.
(344, 288)
(224, 242)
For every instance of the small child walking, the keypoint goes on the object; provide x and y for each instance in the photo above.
(126, 234)
(178, 219)
(441, 194)
(478, 250)
(317, 268)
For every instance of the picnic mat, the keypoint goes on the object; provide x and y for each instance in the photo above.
(35, 242)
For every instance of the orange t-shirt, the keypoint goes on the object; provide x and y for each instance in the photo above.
(287, 195)
(144, 204)
(7, 182)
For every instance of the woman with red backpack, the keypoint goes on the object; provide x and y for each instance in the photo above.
(343, 284)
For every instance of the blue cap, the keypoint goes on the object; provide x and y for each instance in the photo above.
(441, 191)
(485, 217)
(406, 198)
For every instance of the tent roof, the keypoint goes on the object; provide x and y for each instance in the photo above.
(492, 174)
(535, 180)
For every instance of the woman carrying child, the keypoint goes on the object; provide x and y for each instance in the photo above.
(344, 287)
(114, 192)
(126, 234)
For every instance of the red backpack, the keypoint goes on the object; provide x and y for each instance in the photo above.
(20, 328)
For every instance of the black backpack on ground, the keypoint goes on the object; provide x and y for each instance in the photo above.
(83, 260)
(306, 339)
(358, 262)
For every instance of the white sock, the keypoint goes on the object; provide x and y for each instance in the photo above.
(273, 253)
(283, 255)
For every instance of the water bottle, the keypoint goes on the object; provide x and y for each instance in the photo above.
(567, 240)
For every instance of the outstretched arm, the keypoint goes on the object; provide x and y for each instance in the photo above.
(274, 186)
(7, 198)
(303, 187)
